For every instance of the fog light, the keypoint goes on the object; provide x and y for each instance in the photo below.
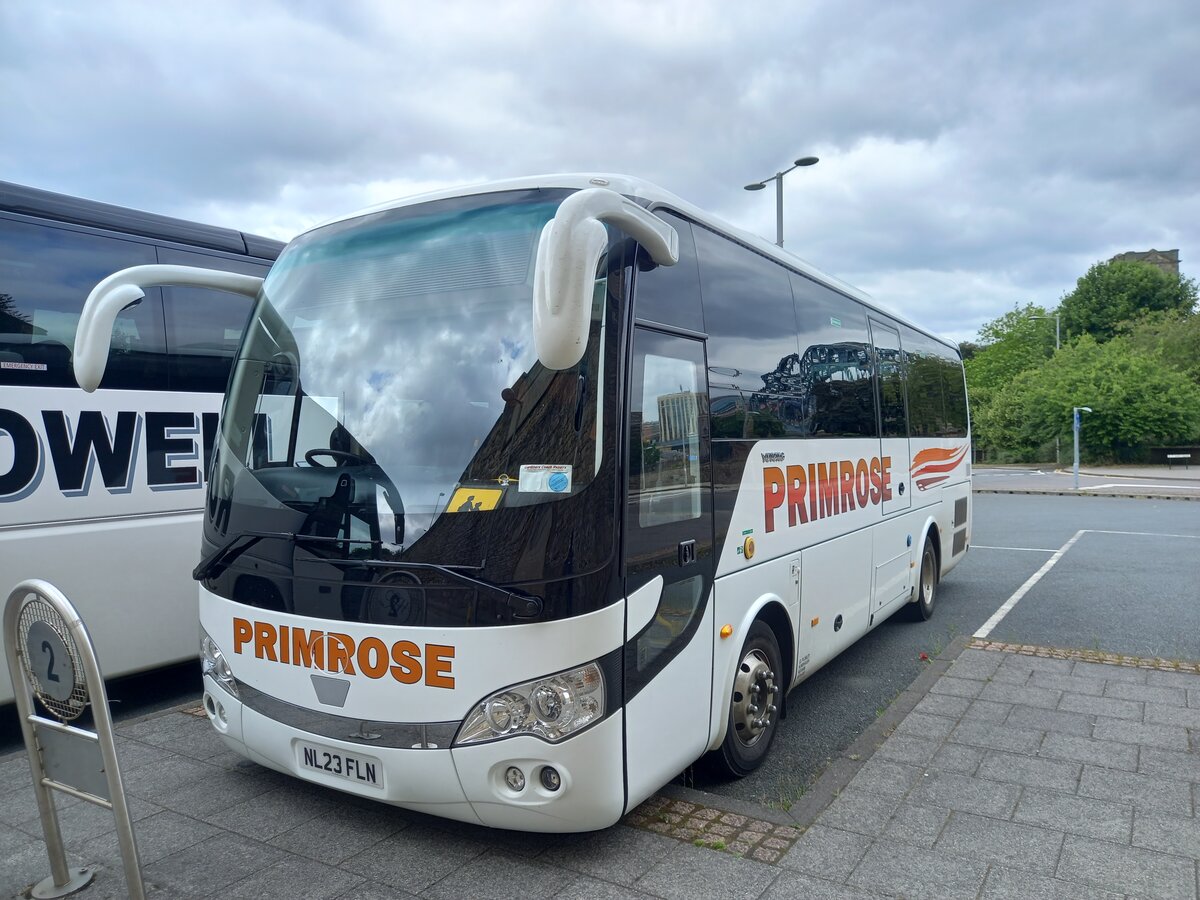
(551, 780)
(515, 779)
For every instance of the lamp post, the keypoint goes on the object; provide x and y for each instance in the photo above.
(1057, 332)
(1075, 412)
(778, 179)
(1057, 346)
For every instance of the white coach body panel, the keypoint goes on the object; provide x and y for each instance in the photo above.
(458, 667)
(103, 497)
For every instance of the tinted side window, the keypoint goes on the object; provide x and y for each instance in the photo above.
(752, 352)
(204, 327)
(955, 390)
(937, 402)
(670, 294)
(833, 377)
(45, 275)
(889, 370)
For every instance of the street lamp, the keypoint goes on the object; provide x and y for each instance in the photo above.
(1057, 346)
(1075, 412)
(1057, 332)
(778, 179)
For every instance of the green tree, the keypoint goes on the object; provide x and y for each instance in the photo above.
(1136, 400)
(1012, 343)
(1114, 292)
(1173, 334)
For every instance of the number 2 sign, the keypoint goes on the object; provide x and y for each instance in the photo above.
(50, 662)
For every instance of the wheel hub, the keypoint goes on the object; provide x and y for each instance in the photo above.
(754, 698)
(927, 577)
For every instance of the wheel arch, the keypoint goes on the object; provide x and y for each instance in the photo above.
(771, 610)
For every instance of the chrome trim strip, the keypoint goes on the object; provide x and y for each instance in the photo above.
(398, 735)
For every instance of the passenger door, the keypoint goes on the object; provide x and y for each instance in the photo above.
(893, 540)
(668, 536)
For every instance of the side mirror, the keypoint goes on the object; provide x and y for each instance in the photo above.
(564, 275)
(122, 290)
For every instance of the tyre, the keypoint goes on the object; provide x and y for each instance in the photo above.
(927, 579)
(758, 687)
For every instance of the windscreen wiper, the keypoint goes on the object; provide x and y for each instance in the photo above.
(522, 606)
(221, 558)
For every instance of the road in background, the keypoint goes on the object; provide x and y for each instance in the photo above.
(1134, 481)
(1119, 592)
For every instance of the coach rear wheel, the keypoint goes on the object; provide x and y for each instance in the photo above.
(927, 582)
(754, 706)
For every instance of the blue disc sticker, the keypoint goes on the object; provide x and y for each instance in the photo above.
(543, 478)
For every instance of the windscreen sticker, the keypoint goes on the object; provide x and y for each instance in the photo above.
(544, 480)
(473, 499)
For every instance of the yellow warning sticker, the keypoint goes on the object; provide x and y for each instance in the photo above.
(472, 499)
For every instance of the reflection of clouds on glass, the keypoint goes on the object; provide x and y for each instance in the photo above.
(415, 328)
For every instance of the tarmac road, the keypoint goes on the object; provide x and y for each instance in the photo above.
(1135, 593)
(1135, 481)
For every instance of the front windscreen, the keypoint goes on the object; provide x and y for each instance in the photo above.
(387, 403)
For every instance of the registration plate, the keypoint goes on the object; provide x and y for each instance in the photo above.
(351, 766)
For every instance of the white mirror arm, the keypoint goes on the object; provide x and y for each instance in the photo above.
(569, 249)
(123, 289)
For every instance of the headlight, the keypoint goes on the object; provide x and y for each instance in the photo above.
(551, 708)
(212, 662)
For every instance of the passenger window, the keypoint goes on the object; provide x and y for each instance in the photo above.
(46, 274)
(937, 399)
(204, 327)
(670, 294)
(832, 384)
(749, 318)
(889, 368)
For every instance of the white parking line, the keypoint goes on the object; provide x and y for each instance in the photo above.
(1191, 537)
(1020, 592)
(1027, 549)
(1006, 607)
(1106, 487)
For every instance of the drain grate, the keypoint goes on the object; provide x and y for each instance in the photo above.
(714, 828)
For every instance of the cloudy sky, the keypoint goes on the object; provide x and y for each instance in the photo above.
(974, 155)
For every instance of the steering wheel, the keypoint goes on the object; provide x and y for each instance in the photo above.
(342, 457)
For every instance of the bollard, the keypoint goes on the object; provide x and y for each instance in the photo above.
(51, 659)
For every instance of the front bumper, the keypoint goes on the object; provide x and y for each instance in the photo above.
(465, 783)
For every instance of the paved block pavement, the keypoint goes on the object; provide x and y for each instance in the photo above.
(1003, 772)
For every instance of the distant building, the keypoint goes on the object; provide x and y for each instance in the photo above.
(677, 416)
(1166, 260)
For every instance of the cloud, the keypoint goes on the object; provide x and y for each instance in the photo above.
(972, 155)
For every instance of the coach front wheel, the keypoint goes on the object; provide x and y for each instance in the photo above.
(758, 687)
